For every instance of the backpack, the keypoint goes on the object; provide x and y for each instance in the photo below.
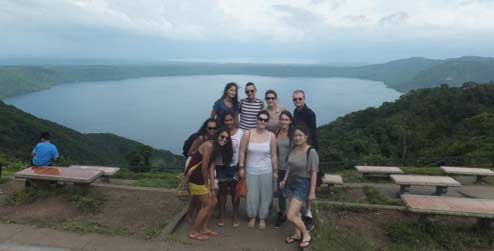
(188, 143)
(320, 173)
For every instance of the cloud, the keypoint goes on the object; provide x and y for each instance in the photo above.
(394, 19)
(295, 25)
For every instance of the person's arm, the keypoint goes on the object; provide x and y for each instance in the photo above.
(287, 172)
(55, 154)
(274, 156)
(213, 113)
(313, 130)
(207, 149)
(314, 168)
(195, 145)
(243, 149)
(212, 177)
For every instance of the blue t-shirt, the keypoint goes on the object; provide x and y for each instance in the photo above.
(221, 110)
(44, 152)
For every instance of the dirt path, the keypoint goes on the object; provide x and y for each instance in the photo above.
(241, 238)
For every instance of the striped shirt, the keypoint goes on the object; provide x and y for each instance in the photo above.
(248, 113)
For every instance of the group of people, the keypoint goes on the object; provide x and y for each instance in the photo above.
(263, 144)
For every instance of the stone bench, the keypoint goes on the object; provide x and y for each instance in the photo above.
(332, 180)
(440, 182)
(455, 206)
(379, 170)
(59, 174)
(480, 173)
(107, 171)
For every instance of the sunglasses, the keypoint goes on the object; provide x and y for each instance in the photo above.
(224, 137)
(299, 99)
(211, 128)
(249, 91)
(270, 98)
(263, 119)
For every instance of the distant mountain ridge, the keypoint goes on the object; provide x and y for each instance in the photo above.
(403, 75)
(19, 132)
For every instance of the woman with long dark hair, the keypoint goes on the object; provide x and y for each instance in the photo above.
(258, 155)
(201, 182)
(227, 175)
(300, 181)
(228, 103)
(283, 140)
(207, 131)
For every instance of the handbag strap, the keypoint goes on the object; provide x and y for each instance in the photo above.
(194, 167)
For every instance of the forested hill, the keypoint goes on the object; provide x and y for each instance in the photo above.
(434, 122)
(19, 132)
(402, 75)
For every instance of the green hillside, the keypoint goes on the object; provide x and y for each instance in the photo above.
(19, 132)
(424, 123)
(454, 73)
(402, 75)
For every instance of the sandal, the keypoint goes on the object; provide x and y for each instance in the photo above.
(305, 244)
(236, 224)
(220, 224)
(211, 233)
(292, 239)
(198, 237)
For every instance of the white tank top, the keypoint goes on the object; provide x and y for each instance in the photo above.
(259, 158)
(236, 145)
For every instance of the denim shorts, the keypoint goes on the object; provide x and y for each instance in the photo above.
(298, 187)
(226, 173)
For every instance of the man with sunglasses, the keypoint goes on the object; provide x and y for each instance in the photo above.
(303, 115)
(249, 108)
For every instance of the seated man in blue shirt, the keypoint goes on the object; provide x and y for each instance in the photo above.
(44, 152)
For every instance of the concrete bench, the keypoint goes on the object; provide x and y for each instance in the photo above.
(332, 180)
(455, 206)
(107, 171)
(379, 170)
(480, 173)
(440, 182)
(59, 174)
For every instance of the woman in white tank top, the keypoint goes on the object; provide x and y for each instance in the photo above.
(258, 164)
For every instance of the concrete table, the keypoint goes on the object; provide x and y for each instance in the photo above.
(455, 206)
(62, 174)
(386, 170)
(332, 180)
(440, 182)
(107, 171)
(480, 173)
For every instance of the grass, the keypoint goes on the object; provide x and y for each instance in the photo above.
(90, 227)
(415, 236)
(150, 179)
(331, 237)
(423, 170)
(376, 197)
(90, 202)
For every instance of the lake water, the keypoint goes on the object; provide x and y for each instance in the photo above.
(163, 111)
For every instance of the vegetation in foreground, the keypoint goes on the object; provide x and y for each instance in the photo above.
(373, 230)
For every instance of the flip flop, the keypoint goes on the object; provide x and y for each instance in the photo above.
(220, 224)
(236, 225)
(304, 245)
(198, 237)
(211, 233)
(291, 239)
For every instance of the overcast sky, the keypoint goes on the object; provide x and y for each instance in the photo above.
(304, 31)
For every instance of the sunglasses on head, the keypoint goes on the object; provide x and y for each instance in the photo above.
(299, 99)
(263, 119)
(249, 91)
(270, 98)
